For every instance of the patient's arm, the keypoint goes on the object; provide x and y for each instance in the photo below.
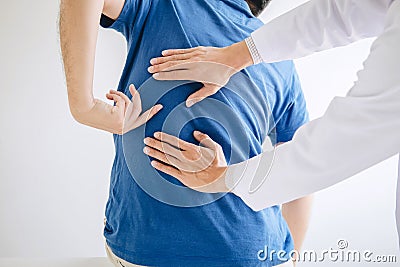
(297, 215)
(79, 24)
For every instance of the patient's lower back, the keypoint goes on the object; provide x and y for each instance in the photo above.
(153, 220)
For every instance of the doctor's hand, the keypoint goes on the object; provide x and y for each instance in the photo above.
(120, 118)
(201, 168)
(209, 65)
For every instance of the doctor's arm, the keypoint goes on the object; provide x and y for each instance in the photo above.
(356, 132)
(314, 26)
(79, 23)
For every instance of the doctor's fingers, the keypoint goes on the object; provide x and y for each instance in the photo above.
(192, 154)
(164, 158)
(169, 170)
(179, 163)
(171, 65)
(164, 147)
(193, 159)
(204, 92)
(170, 52)
(176, 57)
(174, 141)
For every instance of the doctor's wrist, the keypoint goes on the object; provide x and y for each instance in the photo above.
(239, 56)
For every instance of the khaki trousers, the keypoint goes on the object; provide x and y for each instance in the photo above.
(118, 262)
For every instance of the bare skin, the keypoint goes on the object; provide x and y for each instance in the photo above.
(203, 168)
(79, 23)
(297, 214)
(79, 20)
(210, 65)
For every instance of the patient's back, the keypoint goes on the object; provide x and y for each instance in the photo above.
(151, 218)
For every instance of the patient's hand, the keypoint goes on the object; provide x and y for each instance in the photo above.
(121, 118)
(210, 65)
(201, 168)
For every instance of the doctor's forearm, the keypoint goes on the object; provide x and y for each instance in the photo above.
(314, 26)
(319, 25)
(355, 133)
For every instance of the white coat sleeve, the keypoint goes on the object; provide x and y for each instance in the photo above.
(319, 25)
(356, 132)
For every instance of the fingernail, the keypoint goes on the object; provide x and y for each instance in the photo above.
(153, 61)
(197, 132)
(189, 103)
(160, 107)
(155, 75)
(146, 140)
(157, 134)
(145, 150)
(153, 163)
(164, 52)
(150, 69)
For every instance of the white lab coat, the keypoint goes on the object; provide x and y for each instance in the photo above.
(357, 131)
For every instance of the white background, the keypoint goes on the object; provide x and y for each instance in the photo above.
(54, 172)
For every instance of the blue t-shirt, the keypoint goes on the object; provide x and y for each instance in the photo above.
(152, 219)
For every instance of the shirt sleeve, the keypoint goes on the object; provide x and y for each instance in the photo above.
(296, 113)
(124, 22)
(319, 25)
(356, 132)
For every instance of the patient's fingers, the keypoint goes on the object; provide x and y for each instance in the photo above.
(171, 52)
(133, 91)
(119, 101)
(136, 101)
(146, 116)
(124, 96)
(122, 100)
(206, 91)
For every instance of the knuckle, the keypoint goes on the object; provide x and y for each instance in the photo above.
(219, 148)
(191, 156)
(151, 142)
(119, 129)
(209, 91)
